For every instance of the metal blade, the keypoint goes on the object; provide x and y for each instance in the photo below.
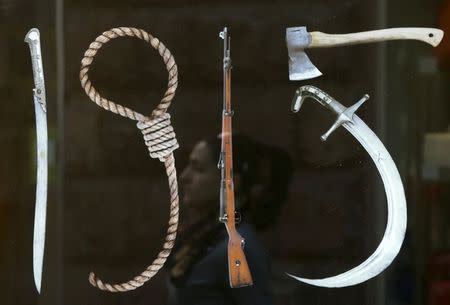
(393, 237)
(41, 194)
(396, 225)
(33, 39)
(301, 67)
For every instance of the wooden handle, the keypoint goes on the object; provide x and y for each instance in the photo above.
(238, 269)
(431, 36)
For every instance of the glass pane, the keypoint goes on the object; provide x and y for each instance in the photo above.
(310, 208)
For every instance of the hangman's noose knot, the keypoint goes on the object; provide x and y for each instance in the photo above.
(159, 136)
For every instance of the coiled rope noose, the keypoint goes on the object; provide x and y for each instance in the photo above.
(158, 135)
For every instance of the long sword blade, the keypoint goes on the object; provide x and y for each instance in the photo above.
(393, 237)
(33, 39)
(397, 216)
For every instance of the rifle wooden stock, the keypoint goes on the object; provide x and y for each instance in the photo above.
(239, 272)
(238, 269)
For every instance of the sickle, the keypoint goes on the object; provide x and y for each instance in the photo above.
(396, 222)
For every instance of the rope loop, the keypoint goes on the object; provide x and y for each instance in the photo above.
(168, 59)
(159, 136)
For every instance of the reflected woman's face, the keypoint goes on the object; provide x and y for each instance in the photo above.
(200, 179)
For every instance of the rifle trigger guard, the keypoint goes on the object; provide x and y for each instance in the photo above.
(237, 217)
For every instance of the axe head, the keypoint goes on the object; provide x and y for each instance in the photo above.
(300, 67)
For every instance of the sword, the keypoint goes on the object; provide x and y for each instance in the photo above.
(33, 39)
(396, 223)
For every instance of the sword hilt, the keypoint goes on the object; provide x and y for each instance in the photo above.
(34, 42)
(344, 114)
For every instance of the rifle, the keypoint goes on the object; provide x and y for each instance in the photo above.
(238, 269)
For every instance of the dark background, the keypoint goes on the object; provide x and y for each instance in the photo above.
(108, 201)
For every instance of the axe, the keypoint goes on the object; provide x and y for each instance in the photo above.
(298, 38)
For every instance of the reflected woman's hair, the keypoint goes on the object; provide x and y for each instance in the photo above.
(261, 175)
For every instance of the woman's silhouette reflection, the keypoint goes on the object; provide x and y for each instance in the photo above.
(198, 265)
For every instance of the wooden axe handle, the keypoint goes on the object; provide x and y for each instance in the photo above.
(431, 36)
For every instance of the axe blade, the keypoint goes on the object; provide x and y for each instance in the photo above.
(300, 67)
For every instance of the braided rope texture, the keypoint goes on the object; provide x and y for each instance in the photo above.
(168, 59)
(159, 136)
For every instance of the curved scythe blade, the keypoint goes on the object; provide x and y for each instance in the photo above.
(33, 39)
(396, 223)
